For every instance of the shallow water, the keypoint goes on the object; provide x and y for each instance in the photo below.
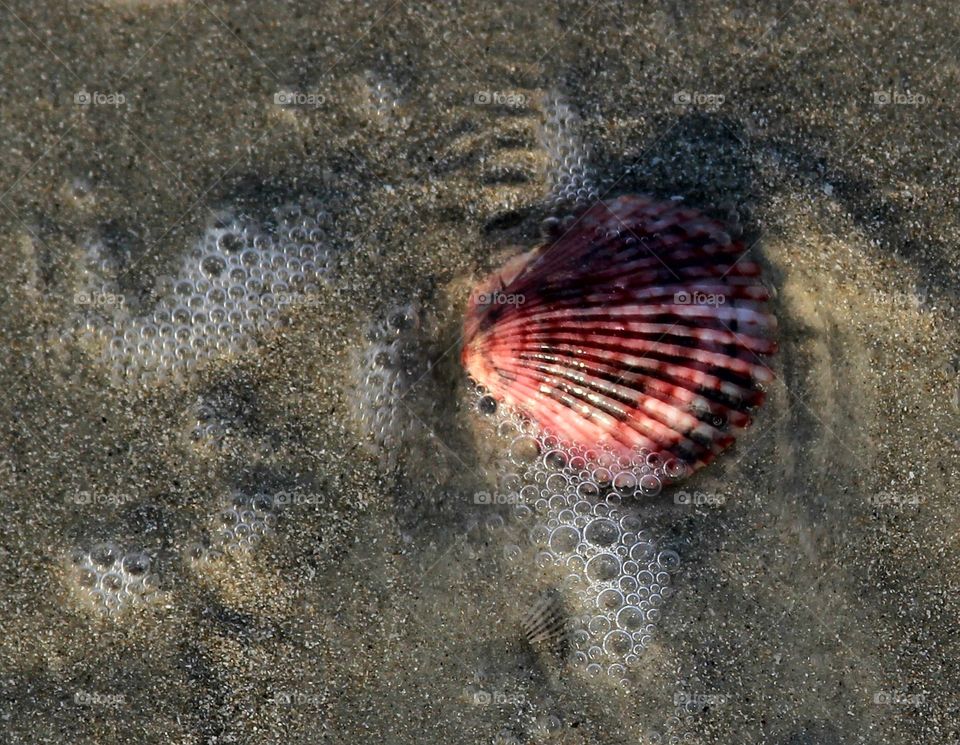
(384, 601)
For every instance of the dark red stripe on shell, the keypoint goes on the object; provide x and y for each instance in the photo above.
(641, 327)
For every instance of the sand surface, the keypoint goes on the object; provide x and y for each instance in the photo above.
(817, 597)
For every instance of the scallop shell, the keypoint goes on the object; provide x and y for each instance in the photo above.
(545, 622)
(642, 328)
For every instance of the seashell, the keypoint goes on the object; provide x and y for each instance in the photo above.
(545, 622)
(640, 329)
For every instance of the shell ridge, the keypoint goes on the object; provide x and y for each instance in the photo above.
(641, 327)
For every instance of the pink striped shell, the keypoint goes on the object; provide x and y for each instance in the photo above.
(642, 328)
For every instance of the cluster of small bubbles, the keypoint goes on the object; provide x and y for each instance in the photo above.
(573, 507)
(214, 415)
(621, 577)
(547, 460)
(572, 183)
(675, 729)
(393, 363)
(233, 284)
(112, 578)
(545, 727)
(383, 99)
(241, 523)
(208, 427)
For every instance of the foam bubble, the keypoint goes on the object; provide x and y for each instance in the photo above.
(111, 579)
(570, 175)
(391, 383)
(227, 291)
(575, 506)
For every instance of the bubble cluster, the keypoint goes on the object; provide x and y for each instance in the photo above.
(219, 413)
(683, 722)
(593, 471)
(545, 727)
(382, 100)
(573, 510)
(570, 175)
(393, 363)
(233, 284)
(111, 578)
(238, 527)
(208, 426)
(617, 574)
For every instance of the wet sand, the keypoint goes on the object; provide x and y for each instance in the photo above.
(815, 599)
